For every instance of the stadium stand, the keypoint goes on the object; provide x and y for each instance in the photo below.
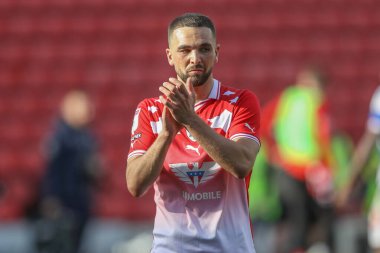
(114, 49)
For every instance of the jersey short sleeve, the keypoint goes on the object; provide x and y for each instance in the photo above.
(142, 134)
(373, 123)
(246, 118)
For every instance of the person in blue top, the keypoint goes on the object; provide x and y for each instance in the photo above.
(72, 165)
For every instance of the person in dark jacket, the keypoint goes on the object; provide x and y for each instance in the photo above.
(72, 169)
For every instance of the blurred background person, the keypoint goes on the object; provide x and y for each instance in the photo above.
(297, 138)
(362, 154)
(72, 169)
(264, 205)
(349, 225)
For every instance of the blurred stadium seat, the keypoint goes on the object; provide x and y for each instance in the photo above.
(51, 46)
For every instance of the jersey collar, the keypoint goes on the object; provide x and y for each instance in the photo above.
(215, 91)
(214, 94)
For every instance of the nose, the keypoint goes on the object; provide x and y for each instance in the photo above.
(195, 57)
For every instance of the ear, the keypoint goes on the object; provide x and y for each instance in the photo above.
(217, 48)
(169, 56)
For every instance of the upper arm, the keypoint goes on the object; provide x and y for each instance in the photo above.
(245, 126)
(251, 148)
(246, 119)
(142, 134)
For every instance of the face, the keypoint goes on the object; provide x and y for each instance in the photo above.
(193, 52)
(77, 109)
(308, 78)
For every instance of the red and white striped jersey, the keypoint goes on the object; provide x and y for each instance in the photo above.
(200, 206)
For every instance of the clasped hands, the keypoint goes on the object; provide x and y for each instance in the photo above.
(178, 99)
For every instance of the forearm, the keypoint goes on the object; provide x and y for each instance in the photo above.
(142, 171)
(361, 155)
(234, 157)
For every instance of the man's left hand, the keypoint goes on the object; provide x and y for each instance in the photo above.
(180, 99)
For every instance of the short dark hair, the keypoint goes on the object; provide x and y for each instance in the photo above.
(191, 20)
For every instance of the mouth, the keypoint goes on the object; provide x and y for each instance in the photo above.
(195, 71)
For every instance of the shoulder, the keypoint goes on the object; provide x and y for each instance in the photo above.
(152, 105)
(149, 102)
(376, 94)
(375, 101)
(228, 91)
(238, 96)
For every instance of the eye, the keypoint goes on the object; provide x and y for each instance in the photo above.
(183, 50)
(205, 49)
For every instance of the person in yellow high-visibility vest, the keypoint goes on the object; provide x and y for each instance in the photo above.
(296, 131)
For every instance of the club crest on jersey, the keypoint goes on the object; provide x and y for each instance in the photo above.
(194, 173)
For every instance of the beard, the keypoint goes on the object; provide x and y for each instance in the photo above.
(195, 80)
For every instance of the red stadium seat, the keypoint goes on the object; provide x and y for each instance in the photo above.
(115, 49)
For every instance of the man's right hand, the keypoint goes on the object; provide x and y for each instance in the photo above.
(169, 124)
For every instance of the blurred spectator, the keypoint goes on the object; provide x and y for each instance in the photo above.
(296, 133)
(264, 205)
(72, 169)
(361, 156)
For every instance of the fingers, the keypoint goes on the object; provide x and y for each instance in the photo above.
(177, 99)
(169, 123)
(165, 110)
(175, 81)
(162, 99)
(174, 90)
(180, 86)
(186, 89)
(166, 102)
(172, 87)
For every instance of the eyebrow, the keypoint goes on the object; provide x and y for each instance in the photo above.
(206, 44)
